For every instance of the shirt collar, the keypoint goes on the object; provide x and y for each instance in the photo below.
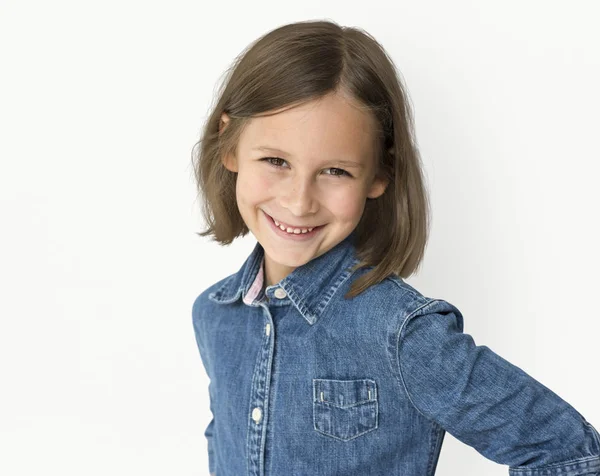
(309, 287)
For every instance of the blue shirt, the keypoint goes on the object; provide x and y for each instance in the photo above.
(306, 382)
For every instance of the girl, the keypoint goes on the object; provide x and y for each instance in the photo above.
(322, 360)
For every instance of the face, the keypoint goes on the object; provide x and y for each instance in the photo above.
(307, 166)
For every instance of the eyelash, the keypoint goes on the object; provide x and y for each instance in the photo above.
(268, 159)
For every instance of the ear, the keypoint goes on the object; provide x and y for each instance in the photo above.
(377, 188)
(229, 161)
(223, 122)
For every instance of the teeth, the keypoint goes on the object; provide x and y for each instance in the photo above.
(295, 231)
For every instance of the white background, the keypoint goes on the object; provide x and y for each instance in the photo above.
(100, 105)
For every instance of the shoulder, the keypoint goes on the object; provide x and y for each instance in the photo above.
(395, 297)
(393, 290)
(405, 298)
(425, 305)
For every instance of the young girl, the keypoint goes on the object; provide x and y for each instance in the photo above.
(322, 360)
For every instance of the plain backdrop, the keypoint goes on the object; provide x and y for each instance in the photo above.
(100, 106)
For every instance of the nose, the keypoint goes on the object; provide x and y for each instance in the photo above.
(297, 195)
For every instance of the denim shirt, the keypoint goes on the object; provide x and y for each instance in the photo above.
(306, 382)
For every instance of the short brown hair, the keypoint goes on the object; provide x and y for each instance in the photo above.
(300, 62)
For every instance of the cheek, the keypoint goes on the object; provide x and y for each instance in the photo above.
(253, 188)
(265, 183)
(346, 204)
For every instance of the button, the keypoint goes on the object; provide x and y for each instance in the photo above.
(280, 293)
(256, 414)
(268, 329)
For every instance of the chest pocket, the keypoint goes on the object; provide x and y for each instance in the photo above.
(344, 409)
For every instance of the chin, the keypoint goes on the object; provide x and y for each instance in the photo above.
(286, 259)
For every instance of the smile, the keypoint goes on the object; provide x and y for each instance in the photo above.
(292, 228)
(292, 232)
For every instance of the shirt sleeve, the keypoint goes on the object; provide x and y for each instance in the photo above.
(209, 430)
(208, 433)
(488, 403)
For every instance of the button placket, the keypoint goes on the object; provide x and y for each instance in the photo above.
(259, 403)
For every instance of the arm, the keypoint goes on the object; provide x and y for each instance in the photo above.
(209, 430)
(488, 403)
(208, 433)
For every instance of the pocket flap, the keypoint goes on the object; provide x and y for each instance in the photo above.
(344, 393)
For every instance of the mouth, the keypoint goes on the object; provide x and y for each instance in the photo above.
(295, 232)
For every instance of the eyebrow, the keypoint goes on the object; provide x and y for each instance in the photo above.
(346, 163)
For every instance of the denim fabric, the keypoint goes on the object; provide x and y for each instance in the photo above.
(306, 382)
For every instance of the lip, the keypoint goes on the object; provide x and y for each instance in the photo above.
(292, 236)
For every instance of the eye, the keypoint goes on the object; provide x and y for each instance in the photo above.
(268, 159)
(341, 173)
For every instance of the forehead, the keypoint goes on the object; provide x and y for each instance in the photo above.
(328, 128)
